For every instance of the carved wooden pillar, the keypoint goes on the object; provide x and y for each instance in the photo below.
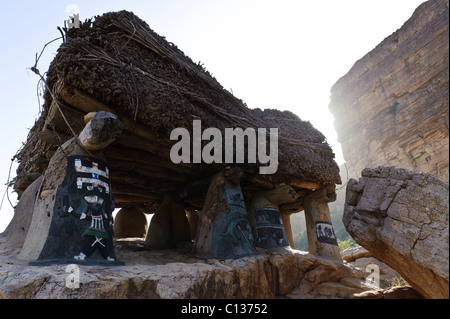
(193, 217)
(223, 230)
(169, 226)
(262, 203)
(286, 218)
(321, 237)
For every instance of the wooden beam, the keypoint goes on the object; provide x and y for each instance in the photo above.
(135, 142)
(144, 173)
(55, 119)
(149, 169)
(133, 198)
(303, 183)
(122, 154)
(87, 103)
(122, 189)
(291, 208)
(100, 131)
(52, 138)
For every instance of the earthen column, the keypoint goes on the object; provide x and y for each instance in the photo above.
(321, 237)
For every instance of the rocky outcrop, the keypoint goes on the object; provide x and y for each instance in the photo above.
(362, 258)
(173, 274)
(399, 292)
(353, 253)
(392, 107)
(402, 218)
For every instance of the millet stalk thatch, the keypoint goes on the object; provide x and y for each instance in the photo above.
(118, 64)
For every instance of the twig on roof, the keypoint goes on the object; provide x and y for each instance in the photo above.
(58, 105)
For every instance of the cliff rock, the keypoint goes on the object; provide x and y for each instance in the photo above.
(402, 218)
(392, 107)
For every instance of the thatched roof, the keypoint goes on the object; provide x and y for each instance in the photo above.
(117, 62)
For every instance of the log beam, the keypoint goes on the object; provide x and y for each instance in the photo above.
(103, 129)
(301, 183)
(87, 104)
(52, 138)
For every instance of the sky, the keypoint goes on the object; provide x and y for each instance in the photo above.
(282, 54)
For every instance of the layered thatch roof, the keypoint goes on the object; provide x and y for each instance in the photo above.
(117, 63)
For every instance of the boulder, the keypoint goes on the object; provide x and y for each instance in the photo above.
(402, 218)
(353, 253)
(363, 259)
(387, 275)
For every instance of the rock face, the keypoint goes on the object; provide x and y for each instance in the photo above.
(363, 259)
(402, 218)
(392, 107)
(172, 274)
(399, 292)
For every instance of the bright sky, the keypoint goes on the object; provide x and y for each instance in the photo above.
(283, 54)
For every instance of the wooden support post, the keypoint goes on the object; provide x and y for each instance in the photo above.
(193, 216)
(169, 226)
(269, 201)
(286, 218)
(223, 230)
(74, 224)
(321, 237)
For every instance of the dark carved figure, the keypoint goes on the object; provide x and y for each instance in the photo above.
(96, 236)
(223, 229)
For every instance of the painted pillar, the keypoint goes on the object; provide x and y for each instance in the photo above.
(74, 223)
(270, 227)
(223, 229)
(321, 237)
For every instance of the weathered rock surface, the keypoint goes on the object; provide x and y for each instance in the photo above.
(387, 275)
(173, 274)
(353, 253)
(362, 258)
(392, 107)
(402, 218)
(398, 292)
